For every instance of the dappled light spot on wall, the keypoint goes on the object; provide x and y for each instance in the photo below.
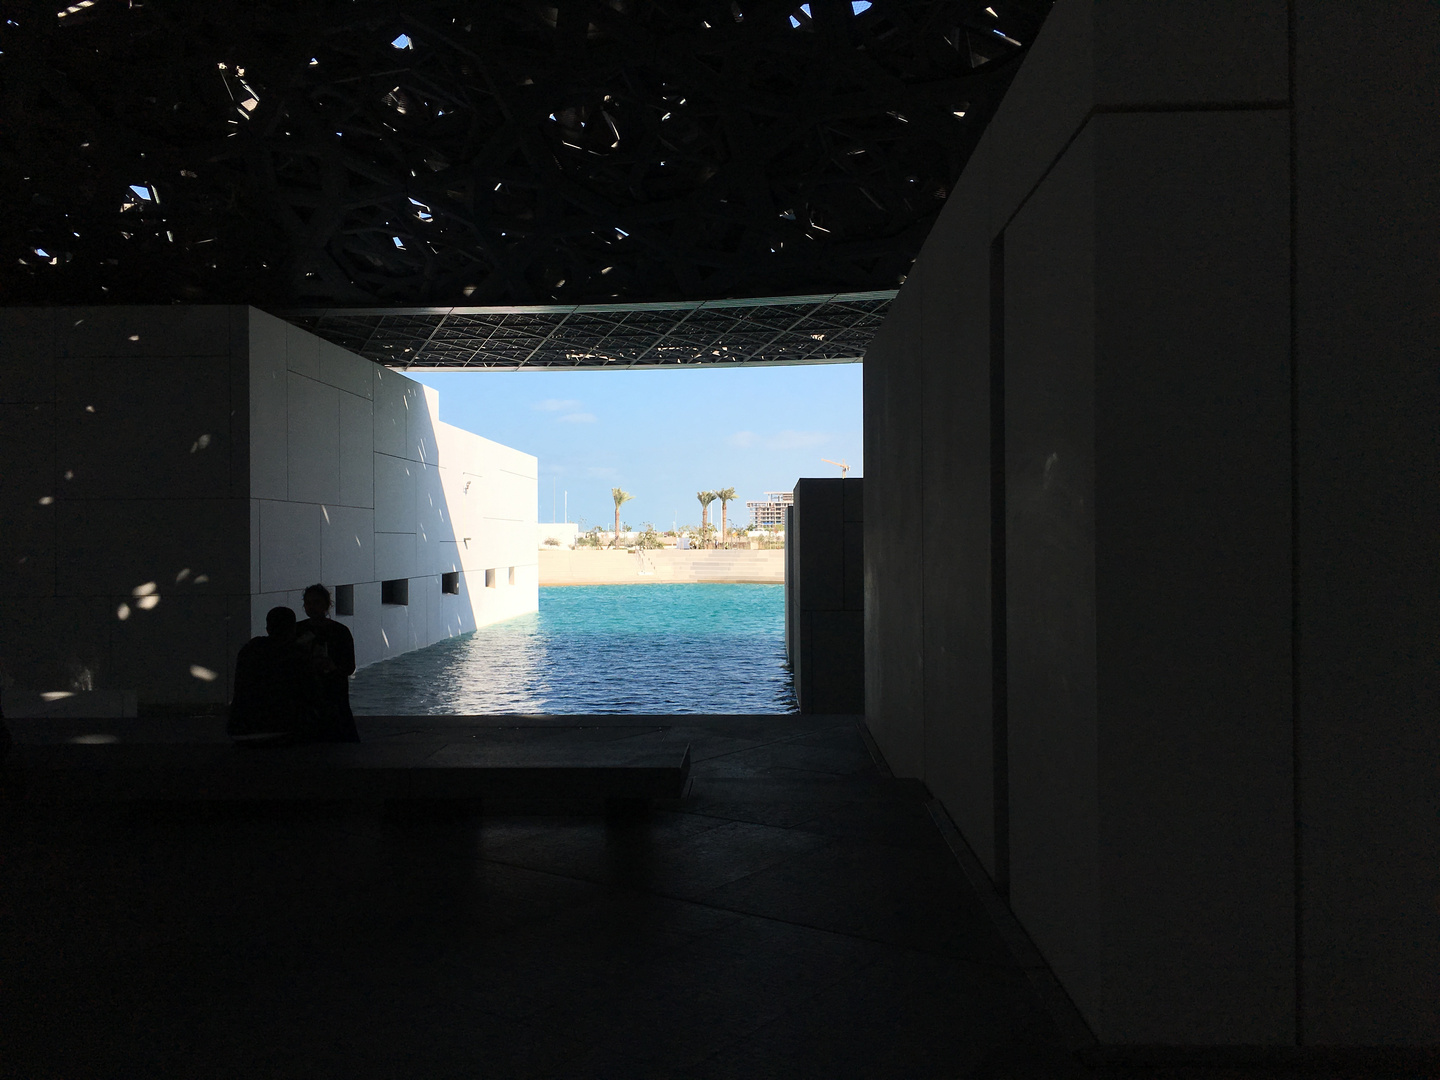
(326, 512)
(201, 579)
(145, 603)
(56, 695)
(69, 474)
(204, 674)
(200, 444)
(47, 500)
(89, 408)
(94, 740)
(182, 575)
(122, 612)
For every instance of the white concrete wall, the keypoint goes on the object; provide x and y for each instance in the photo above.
(355, 480)
(563, 531)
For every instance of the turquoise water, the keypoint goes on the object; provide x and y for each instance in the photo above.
(601, 649)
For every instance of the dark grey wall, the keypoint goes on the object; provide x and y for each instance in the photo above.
(1102, 318)
(824, 595)
(124, 462)
(1053, 732)
(1367, 159)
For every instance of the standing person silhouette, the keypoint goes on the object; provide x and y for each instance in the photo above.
(332, 652)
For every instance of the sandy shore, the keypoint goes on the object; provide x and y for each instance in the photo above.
(587, 566)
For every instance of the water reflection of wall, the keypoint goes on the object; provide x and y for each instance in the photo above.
(147, 454)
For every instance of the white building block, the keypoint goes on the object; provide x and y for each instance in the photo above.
(394, 555)
(347, 545)
(314, 441)
(391, 425)
(346, 371)
(289, 545)
(302, 351)
(357, 442)
(394, 494)
(269, 409)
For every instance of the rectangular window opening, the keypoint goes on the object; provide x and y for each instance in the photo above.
(490, 579)
(450, 583)
(512, 576)
(395, 592)
(344, 599)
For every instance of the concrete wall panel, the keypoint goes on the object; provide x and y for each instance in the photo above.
(111, 546)
(313, 441)
(1368, 212)
(1050, 571)
(894, 572)
(365, 626)
(27, 349)
(1183, 778)
(269, 408)
(357, 441)
(128, 428)
(59, 643)
(955, 479)
(182, 643)
(143, 331)
(28, 488)
(289, 545)
(1193, 574)
(395, 494)
(432, 519)
(391, 412)
(254, 546)
(394, 555)
(422, 416)
(302, 352)
(1150, 54)
(347, 545)
(343, 369)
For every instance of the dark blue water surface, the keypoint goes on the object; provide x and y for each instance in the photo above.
(601, 649)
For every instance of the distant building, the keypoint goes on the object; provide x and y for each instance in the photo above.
(770, 513)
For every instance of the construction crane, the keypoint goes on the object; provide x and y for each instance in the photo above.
(844, 468)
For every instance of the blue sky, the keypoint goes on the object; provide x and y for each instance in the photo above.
(662, 435)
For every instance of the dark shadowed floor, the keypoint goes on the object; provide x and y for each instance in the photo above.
(798, 914)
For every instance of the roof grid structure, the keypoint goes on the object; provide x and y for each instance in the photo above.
(824, 329)
(426, 152)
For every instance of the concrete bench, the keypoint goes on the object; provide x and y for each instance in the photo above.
(424, 762)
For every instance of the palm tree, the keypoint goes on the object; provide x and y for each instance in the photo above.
(724, 495)
(621, 498)
(706, 498)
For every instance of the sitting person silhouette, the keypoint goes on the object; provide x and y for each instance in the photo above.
(332, 655)
(277, 696)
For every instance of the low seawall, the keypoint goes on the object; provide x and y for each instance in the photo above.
(587, 566)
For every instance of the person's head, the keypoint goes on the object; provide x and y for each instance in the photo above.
(280, 623)
(317, 601)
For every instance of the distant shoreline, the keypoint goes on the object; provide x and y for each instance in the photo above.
(716, 566)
